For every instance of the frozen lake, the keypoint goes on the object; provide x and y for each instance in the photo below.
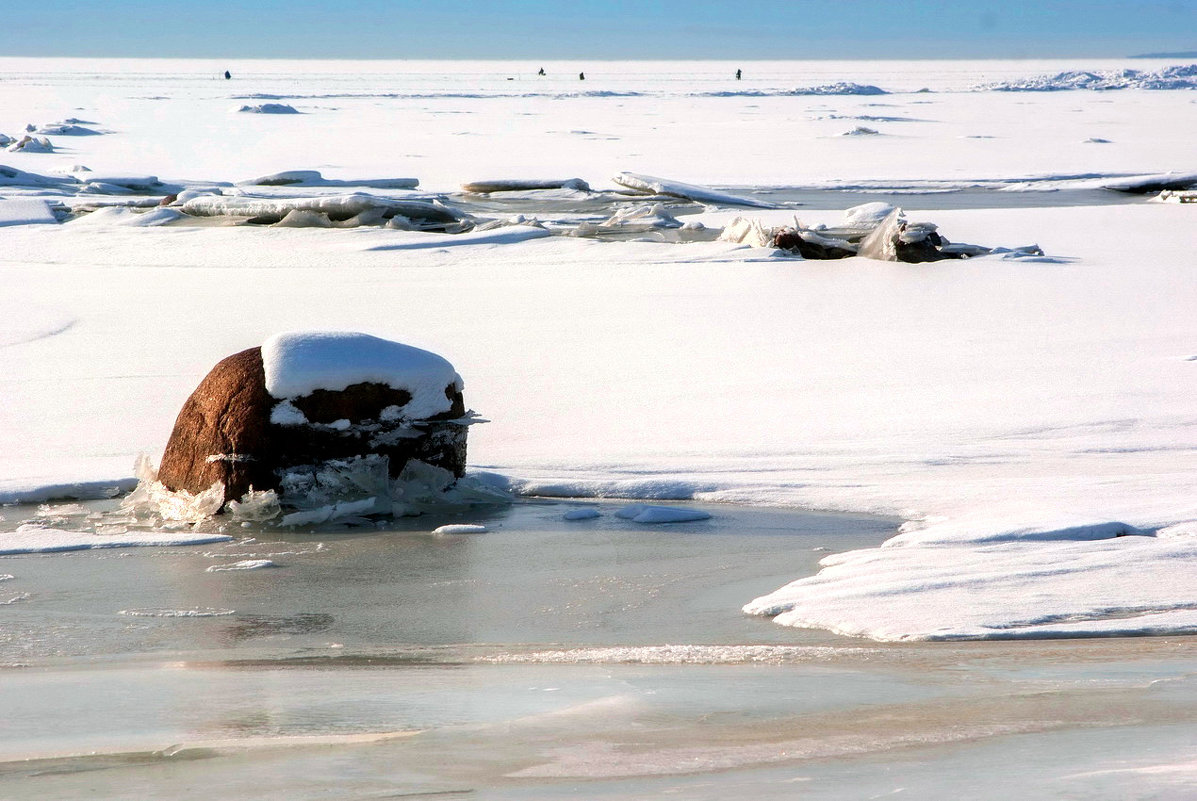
(1021, 425)
(543, 659)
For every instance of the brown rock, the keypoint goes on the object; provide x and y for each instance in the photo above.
(224, 433)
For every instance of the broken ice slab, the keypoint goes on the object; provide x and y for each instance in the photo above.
(662, 186)
(427, 214)
(1151, 184)
(134, 183)
(524, 185)
(314, 178)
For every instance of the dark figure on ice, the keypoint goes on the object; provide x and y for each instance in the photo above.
(541, 71)
(738, 75)
(227, 75)
(581, 76)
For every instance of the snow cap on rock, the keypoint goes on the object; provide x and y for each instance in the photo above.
(298, 363)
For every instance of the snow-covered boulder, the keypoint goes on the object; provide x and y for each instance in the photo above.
(302, 403)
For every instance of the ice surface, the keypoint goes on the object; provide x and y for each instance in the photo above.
(582, 514)
(301, 362)
(494, 236)
(37, 539)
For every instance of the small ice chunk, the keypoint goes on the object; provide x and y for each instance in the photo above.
(31, 144)
(645, 513)
(203, 612)
(582, 514)
(287, 414)
(244, 564)
(701, 194)
(745, 231)
(460, 528)
(269, 108)
(861, 130)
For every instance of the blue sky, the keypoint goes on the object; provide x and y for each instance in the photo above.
(602, 29)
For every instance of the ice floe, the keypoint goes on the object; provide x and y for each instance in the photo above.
(244, 564)
(460, 528)
(30, 538)
(662, 186)
(524, 185)
(431, 215)
(314, 178)
(1083, 581)
(650, 514)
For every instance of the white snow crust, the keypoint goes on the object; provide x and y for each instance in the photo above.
(1019, 414)
(298, 363)
(25, 211)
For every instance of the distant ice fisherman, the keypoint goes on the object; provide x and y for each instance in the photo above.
(581, 76)
(227, 75)
(738, 74)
